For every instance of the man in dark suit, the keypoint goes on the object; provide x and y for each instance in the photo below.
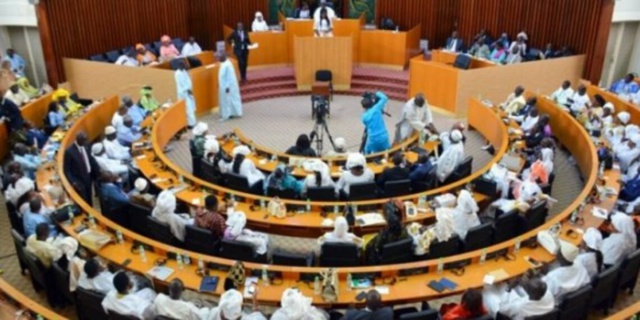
(454, 43)
(10, 114)
(80, 167)
(373, 311)
(420, 172)
(240, 41)
(399, 171)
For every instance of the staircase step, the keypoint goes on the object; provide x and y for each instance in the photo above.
(360, 83)
(274, 93)
(261, 86)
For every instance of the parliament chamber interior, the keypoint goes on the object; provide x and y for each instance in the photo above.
(320, 159)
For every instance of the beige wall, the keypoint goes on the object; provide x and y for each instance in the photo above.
(97, 80)
(496, 83)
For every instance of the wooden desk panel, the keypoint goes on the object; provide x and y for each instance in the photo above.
(382, 47)
(272, 49)
(25, 303)
(304, 28)
(437, 81)
(312, 54)
(410, 290)
(37, 109)
(449, 58)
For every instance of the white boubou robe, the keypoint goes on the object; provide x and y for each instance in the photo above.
(178, 309)
(185, 88)
(414, 118)
(516, 304)
(230, 103)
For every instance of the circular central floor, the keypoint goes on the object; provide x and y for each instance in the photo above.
(276, 123)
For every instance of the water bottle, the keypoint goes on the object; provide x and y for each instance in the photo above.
(308, 205)
(354, 207)
(119, 238)
(92, 221)
(262, 204)
(440, 265)
(349, 283)
(574, 217)
(316, 286)
(422, 202)
(265, 276)
(517, 247)
(483, 256)
(422, 138)
(143, 255)
(179, 261)
(336, 209)
(200, 263)
(601, 170)
(186, 259)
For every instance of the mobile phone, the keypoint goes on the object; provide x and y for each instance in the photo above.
(361, 296)
(533, 261)
(126, 262)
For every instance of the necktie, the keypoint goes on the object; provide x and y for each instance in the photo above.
(85, 158)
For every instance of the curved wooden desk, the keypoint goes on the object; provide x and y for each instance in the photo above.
(305, 224)
(627, 313)
(408, 288)
(34, 111)
(26, 303)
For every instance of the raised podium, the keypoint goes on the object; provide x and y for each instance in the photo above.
(312, 54)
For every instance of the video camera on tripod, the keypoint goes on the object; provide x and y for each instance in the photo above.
(321, 109)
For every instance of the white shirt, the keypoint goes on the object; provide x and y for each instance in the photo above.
(323, 26)
(19, 98)
(567, 279)
(259, 26)
(117, 120)
(190, 49)
(449, 160)
(588, 261)
(414, 118)
(114, 166)
(615, 248)
(178, 309)
(347, 179)
(125, 60)
(529, 123)
(331, 14)
(247, 169)
(103, 282)
(560, 96)
(518, 307)
(132, 304)
(579, 102)
(115, 150)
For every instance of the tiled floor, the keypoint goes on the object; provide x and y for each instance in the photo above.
(275, 123)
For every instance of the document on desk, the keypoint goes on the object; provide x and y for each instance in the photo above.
(600, 212)
(369, 219)
(178, 188)
(160, 272)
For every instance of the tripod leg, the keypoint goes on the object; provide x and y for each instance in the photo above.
(326, 129)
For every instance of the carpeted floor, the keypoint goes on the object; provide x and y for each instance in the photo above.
(276, 123)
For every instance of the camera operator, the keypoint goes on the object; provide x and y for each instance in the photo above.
(416, 116)
(376, 131)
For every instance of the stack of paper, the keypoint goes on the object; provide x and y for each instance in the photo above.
(94, 239)
(371, 218)
(160, 272)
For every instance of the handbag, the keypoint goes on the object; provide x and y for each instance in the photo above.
(237, 274)
(329, 289)
(549, 239)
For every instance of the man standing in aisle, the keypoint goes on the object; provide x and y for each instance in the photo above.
(240, 41)
(372, 118)
(416, 116)
(228, 90)
(185, 87)
(17, 62)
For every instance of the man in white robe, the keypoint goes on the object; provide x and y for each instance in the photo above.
(340, 234)
(570, 276)
(515, 101)
(416, 116)
(451, 157)
(561, 95)
(622, 240)
(191, 48)
(627, 151)
(228, 90)
(465, 215)
(172, 306)
(579, 100)
(124, 302)
(591, 245)
(164, 211)
(96, 277)
(236, 230)
(445, 137)
(531, 298)
(106, 164)
(230, 307)
(185, 87)
(297, 306)
(112, 147)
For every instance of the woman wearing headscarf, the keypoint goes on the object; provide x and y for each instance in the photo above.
(245, 167)
(196, 145)
(165, 213)
(230, 308)
(394, 231)
(321, 176)
(282, 179)
(236, 230)
(622, 240)
(441, 231)
(616, 133)
(627, 150)
(144, 56)
(259, 24)
(340, 234)
(107, 164)
(25, 86)
(168, 51)
(591, 256)
(451, 156)
(357, 172)
(64, 101)
(147, 100)
(19, 186)
(540, 170)
(465, 215)
(296, 306)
